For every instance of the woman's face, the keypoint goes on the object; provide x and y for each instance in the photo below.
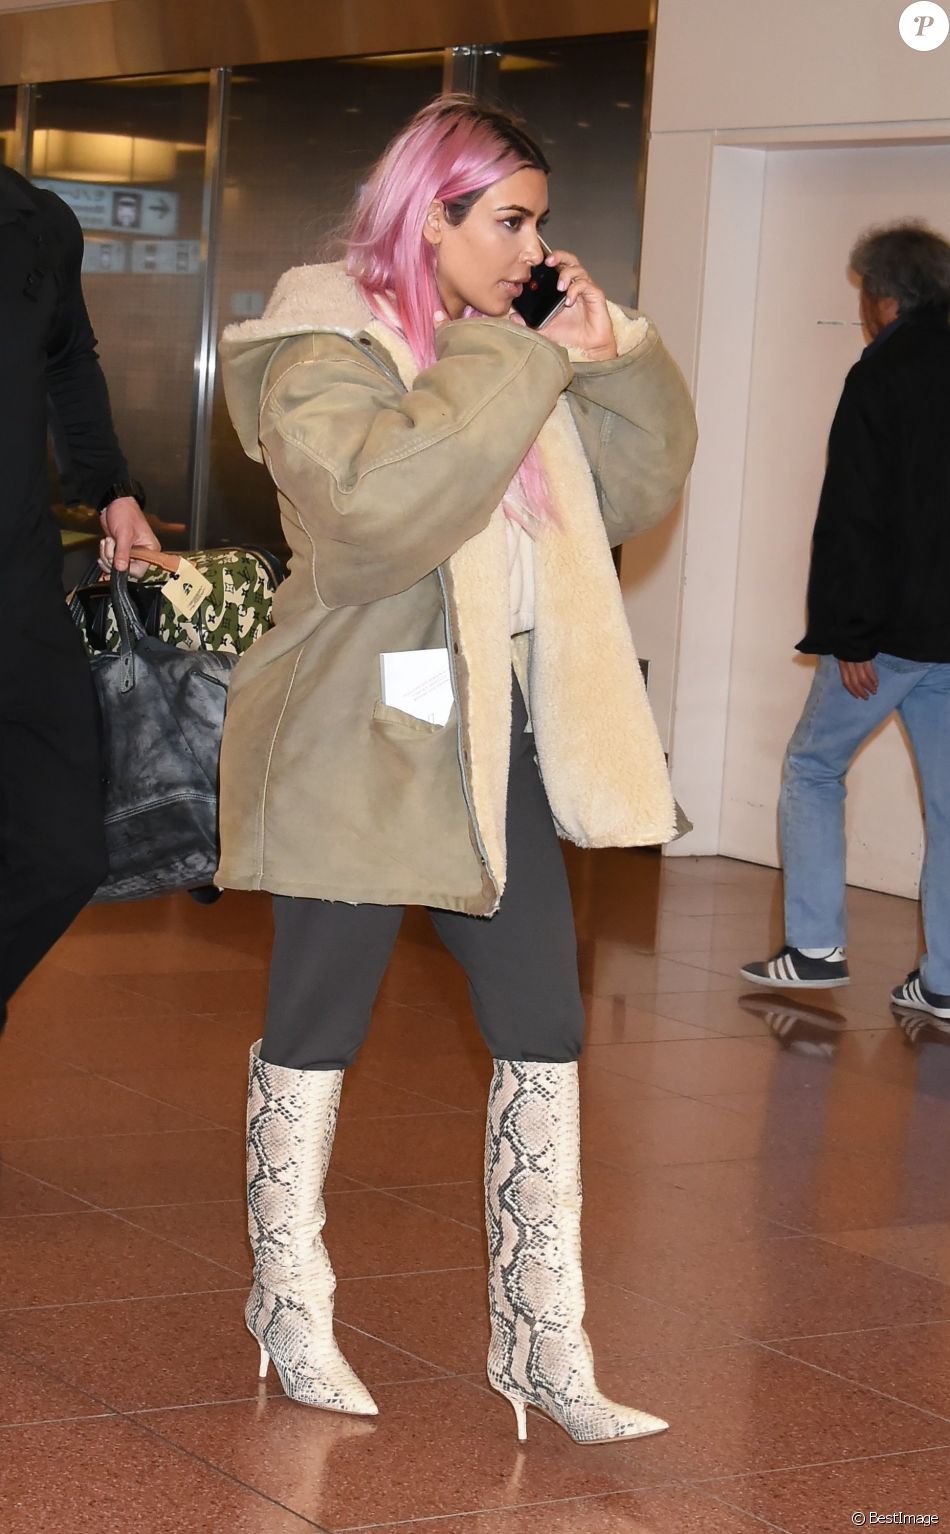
(482, 262)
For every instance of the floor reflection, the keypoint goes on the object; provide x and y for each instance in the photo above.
(767, 1230)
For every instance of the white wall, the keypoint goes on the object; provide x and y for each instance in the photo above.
(761, 145)
(650, 566)
(710, 558)
(806, 338)
(769, 63)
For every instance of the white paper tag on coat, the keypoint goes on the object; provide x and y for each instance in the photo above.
(187, 589)
(418, 682)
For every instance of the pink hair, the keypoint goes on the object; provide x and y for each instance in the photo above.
(452, 151)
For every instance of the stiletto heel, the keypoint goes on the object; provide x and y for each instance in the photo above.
(265, 1364)
(521, 1417)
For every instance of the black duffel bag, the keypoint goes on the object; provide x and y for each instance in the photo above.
(162, 716)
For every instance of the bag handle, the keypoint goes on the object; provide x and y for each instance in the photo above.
(128, 624)
(162, 558)
(158, 557)
(126, 616)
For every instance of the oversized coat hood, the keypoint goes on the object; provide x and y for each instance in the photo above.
(306, 299)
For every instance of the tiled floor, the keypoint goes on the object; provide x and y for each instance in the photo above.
(767, 1230)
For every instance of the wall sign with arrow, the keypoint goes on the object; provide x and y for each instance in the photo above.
(139, 210)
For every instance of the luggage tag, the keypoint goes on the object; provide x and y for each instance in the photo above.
(187, 589)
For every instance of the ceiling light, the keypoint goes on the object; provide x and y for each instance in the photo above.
(517, 63)
(118, 158)
(434, 57)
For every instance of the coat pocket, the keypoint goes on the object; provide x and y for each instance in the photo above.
(385, 714)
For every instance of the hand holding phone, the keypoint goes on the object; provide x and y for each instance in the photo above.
(540, 299)
(562, 299)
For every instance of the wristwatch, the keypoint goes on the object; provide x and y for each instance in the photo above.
(120, 488)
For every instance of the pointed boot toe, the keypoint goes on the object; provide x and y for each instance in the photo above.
(639, 1424)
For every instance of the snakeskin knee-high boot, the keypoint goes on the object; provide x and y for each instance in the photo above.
(291, 1118)
(540, 1355)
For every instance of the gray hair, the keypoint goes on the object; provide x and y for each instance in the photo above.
(905, 261)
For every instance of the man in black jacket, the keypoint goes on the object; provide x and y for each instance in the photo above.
(878, 614)
(52, 852)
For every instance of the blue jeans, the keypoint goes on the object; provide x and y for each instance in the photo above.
(811, 808)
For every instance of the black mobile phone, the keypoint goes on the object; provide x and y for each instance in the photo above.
(539, 299)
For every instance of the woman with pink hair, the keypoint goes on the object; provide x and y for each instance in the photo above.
(450, 483)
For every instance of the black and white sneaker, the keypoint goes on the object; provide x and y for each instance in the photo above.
(914, 994)
(792, 970)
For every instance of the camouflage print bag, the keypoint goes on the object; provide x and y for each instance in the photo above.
(235, 613)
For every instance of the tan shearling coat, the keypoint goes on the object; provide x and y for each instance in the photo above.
(389, 480)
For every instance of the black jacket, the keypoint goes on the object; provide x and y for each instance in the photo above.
(47, 359)
(880, 566)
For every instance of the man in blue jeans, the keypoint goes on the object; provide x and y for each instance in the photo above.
(878, 614)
